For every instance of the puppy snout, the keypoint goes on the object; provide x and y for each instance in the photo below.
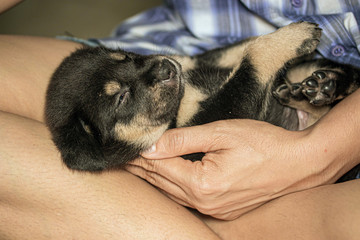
(167, 72)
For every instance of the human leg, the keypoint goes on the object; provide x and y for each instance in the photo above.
(26, 65)
(327, 212)
(41, 199)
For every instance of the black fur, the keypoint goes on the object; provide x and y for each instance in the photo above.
(76, 100)
(94, 125)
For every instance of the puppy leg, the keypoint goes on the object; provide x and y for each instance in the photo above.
(270, 53)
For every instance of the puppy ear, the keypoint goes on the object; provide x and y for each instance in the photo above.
(79, 149)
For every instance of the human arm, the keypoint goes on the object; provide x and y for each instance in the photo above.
(248, 163)
(7, 4)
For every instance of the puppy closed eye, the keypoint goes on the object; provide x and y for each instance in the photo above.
(121, 97)
(118, 92)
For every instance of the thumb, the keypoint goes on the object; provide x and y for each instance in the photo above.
(182, 141)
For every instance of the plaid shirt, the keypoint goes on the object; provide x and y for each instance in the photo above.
(194, 26)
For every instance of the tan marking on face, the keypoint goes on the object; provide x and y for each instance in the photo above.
(112, 87)
(139, 132)
(189, 105)
(118, 56)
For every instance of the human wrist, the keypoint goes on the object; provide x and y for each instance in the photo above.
(337, 135)
(327, 153)
(305, 162)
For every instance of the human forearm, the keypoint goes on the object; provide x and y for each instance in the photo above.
(7, 4)
(335, 139)
(251, 162)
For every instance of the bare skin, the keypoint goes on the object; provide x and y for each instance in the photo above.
(40, 198)
(327, 212)
(26, 70)
(315, 208)
(249, 163)
(52, 201)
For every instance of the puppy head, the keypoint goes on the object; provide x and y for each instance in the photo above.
(103, 107)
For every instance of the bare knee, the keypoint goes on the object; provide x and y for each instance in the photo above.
(26, 65)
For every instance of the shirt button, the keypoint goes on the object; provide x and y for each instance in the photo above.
(338, 51)
(297, 3)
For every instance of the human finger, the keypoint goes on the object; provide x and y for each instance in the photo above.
(177, 200)
(159, 182)
(233, 214)
(167, 178)
(182, 141)
(176, 170)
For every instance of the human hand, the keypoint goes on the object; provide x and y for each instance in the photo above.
(247, 163)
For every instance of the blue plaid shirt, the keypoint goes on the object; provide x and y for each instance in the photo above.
(194, 26)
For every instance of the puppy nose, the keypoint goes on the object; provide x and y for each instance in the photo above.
(166, 72)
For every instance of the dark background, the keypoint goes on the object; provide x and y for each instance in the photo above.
(81, 18)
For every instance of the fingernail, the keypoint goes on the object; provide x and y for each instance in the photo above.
(150, 150)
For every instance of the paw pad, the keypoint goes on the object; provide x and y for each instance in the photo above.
(319, 88)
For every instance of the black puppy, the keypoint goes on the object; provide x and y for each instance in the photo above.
(104, 107)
